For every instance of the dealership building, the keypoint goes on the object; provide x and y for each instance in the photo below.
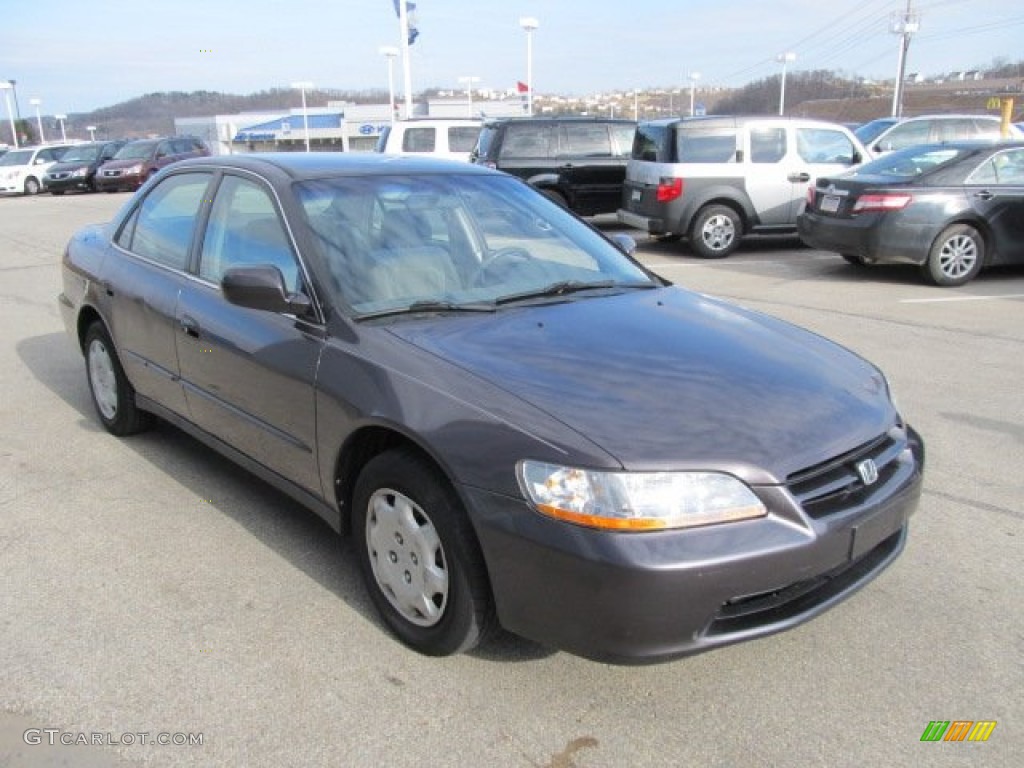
(337, 127)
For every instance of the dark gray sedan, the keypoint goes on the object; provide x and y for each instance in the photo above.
(518, 424)
(953, 209)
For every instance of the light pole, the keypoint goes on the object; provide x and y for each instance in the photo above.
(303, 85)
(671, 109)
(92, 132)
(903, 25)
(469, 80)
(694, 77)
(39, 120)
(7, 87)
(63, 133)
(390, 52)
(784, 59)
(529, 23)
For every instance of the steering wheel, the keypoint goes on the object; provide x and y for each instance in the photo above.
(501, 259)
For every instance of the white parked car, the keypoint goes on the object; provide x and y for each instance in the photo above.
(453, 138)
(22, 170)
(935, 129)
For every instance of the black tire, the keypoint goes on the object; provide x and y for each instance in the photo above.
(854, 259)
(403, 503)
(31, 186)
(112, 394)
(715, 232)
(956, 257)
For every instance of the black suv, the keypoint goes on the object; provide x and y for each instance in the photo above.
(579, 162)
(77, 167)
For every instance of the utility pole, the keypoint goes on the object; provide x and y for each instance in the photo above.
(904, 26)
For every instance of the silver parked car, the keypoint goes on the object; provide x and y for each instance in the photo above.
(715, 179)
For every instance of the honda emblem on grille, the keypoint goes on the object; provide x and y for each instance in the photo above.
(868, 471)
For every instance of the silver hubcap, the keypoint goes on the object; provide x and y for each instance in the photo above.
(406, 557)
(101, 376)
(718, 232)
(958, 256)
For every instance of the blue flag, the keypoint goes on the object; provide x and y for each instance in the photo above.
(410, 16)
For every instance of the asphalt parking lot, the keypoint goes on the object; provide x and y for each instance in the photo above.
(150, 587)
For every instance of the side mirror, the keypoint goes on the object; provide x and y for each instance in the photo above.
(623, 242)
(262, 287)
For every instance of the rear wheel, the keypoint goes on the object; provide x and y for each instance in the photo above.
(956, 256)
(419, 556)
(31, 186)
(112, 393)
(716, 232)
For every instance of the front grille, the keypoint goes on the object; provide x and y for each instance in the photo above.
(59, 175)
(835, 485)
(109, 174)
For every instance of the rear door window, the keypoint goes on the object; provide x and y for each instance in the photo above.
(585, 140)
(767, 145)
(161, 227)
(462, 138)
(421, 139)
(528, 140)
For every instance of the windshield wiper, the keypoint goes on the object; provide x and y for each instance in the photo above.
(564, 287)
(431, 305)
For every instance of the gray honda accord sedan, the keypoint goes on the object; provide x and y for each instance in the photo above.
(517, 423)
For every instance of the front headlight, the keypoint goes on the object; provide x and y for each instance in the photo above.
(637, 501)
(79, 172)
(133, 170)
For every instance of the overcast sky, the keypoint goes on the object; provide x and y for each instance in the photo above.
(76, 56)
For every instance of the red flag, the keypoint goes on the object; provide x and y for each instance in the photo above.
(522, 87)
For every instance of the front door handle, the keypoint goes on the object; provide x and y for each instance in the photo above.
(984, 195)
(189, 326)
(799, 177)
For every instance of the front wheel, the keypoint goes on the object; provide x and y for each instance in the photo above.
(956, 257)
(419, 556)
(31, 186)
(716, 232)
(112, 393)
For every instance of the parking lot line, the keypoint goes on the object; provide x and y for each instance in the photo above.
(962, 298)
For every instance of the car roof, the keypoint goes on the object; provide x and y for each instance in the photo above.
(738, 120)
(316, 165)
(492, 121)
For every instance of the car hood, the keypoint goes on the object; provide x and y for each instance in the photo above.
(668, 379)
(113, 164)
(74, 165)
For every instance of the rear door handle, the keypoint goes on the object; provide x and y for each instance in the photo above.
(984, 195)
(796, 177)
(189, 326)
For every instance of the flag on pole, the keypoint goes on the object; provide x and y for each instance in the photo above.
(522, 87)
(410, 15)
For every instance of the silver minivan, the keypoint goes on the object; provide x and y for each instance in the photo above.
(715, 179)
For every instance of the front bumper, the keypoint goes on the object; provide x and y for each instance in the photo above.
(642, 597)
(67, 183)
(129, 182)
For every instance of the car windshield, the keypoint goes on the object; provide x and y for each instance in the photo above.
(907, 163)
(18, 157)
(455, 242)
(83, 154)
(871, 131)
(135, 151)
